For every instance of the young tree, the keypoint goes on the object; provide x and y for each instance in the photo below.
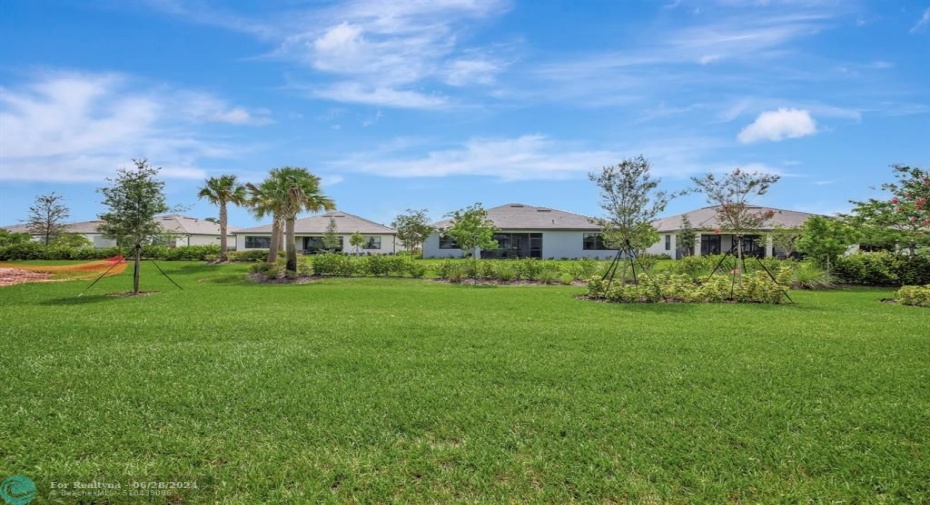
(824, 239)
(357, 241)
(412, 229)
(134, 198)
(687, 237)
(631, 201)
(330, 237)
(784, 239)
(902, 220)
(221, 191)
(730, 195)
(471, 229)
(46, 217)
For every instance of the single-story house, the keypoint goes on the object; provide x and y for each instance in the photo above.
(87, 228)
(525, 231)
(713, 238)
(184, 230)
(179, 231)
(309, 232)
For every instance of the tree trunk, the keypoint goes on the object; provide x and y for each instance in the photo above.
(275, 241)
(740, 266)
(291, 248)
(135, 269)
(223, 217)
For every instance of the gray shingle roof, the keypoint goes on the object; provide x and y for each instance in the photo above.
(345, 223)
(706, 219)
(185, 225)
(518, 216)
(80, 227)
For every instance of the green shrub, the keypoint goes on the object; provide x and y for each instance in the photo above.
(22, 251)
(506, 272)
(528, 268)
(808, 275)
(445, 268)
(252, 255)
(914, 295)
(756, 287)
(416, 269)
(567, 279)
(333, 264)
(456, 273)
(883, 268)
(548, 276)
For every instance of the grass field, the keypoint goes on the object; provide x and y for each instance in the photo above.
(379, 390)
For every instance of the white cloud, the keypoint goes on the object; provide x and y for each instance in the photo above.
(778, 125)
(378, 52)
(81, 127)
(355, 92)
(527, 157)
(924, 19)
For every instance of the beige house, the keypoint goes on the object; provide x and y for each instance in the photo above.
(179, 231)
(713, 238)
(309, 232)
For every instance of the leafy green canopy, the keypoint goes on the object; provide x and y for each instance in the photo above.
(824, 239)
(904, 218)
(631, 200)
(471, 228)
(412, 228)
(133, 199)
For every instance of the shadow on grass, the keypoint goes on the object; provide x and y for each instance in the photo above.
(77, 300)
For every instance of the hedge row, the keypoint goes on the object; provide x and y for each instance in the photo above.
(36, 251)
(883, 268)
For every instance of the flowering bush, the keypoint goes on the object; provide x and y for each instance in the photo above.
(756, 287)
(914, 295)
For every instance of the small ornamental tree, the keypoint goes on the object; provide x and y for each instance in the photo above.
(731, 196)
(687, 237)
(631, 201)
(471, 229)
(47, 216)
(134, 198)
(330, 238)
(784, 239)
(824, 239)
(412, 229)
(357, 241)
(902, 220)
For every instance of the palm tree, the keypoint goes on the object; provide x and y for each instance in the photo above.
(301, 191)
(222, 191)
(266, 199)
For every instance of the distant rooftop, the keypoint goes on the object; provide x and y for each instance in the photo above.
(316, 225)
(706, 219)
(519, 216)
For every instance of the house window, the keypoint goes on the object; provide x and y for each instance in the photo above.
(252, 242)
(668, 242)
(447, 243)
(372, 243)
(315, 244)
(594, 242)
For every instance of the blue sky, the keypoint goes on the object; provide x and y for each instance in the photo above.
(439, 104)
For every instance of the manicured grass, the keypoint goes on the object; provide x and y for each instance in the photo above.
(403, 390)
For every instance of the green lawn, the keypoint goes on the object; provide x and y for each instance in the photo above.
(379, 390)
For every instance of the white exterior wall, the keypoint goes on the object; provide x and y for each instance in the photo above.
(100, 242)
(659, 247)
(555, 244)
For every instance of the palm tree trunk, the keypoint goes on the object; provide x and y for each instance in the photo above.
(275, 241)
(291, 246)
(223, 217)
